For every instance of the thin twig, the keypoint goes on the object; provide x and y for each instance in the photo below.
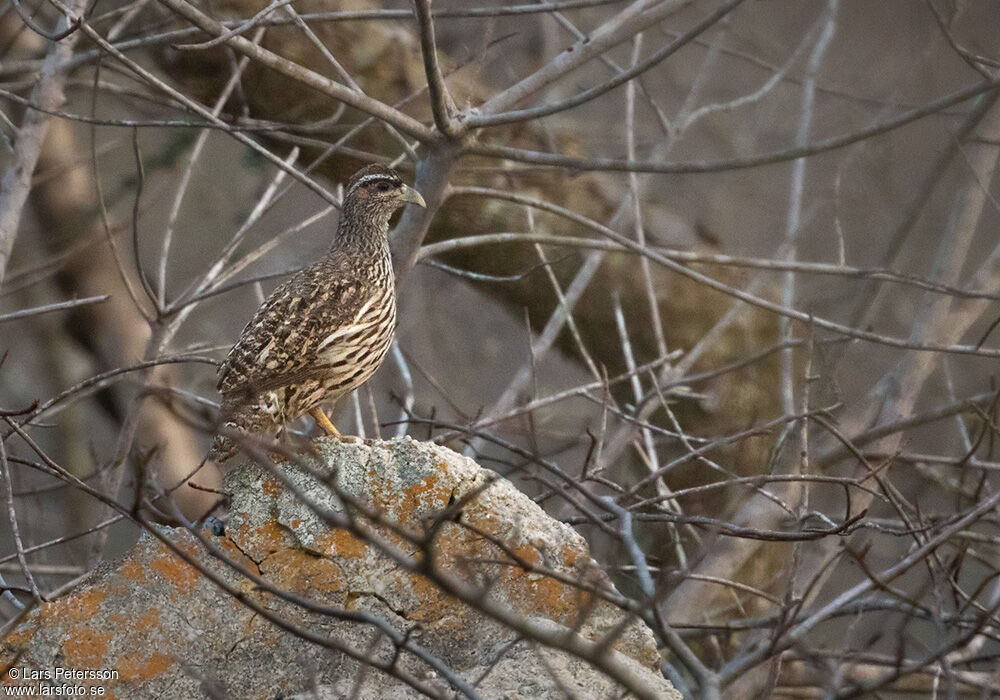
(48, 95)
(49, 308)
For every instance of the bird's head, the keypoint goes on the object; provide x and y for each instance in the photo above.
(377, 191)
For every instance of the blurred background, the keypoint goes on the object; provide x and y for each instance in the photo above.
(732, 265)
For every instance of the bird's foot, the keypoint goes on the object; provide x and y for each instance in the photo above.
(354, 440)
(323, 422)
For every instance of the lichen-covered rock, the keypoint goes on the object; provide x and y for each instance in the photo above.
(522, 673)
(170, 631)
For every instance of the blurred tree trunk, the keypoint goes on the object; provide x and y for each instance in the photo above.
(114, 333)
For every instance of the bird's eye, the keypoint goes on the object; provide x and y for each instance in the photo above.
(383, 187)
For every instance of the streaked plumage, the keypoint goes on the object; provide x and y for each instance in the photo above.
(325, 331)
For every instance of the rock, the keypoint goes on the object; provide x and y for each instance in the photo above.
(169, 631)
(521, 673)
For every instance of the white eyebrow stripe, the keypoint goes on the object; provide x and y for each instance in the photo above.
(371, 178)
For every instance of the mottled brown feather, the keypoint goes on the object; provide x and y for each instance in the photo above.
(277, 370)
(311, 303)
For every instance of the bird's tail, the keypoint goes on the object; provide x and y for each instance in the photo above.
(237, 420)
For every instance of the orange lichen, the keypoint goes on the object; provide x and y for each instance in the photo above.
(83, 605)
(148, 621)
(454, 544)
(392, 538)
(344, 544)
(478, 517)
(527, 554)
(132, 669)
(234, 554)
(411, 498)
(176, 571)
(133, 571)
(537, 593)
(553, 598)
(299, 572)
(270, 487)
(77, 607)
(269, 537)
(20, 636)
(85, 647)
(434, 605)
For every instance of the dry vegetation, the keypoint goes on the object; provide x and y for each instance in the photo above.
(714, 281)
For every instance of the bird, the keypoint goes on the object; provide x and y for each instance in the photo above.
(323, 332)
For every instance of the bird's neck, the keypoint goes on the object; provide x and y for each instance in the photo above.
(362, 234)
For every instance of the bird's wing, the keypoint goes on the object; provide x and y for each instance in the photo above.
(279, 346)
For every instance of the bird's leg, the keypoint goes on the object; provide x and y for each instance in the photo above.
(324, 422)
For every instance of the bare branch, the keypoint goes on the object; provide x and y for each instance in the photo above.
(404, 123)
(48, 95)
(49, 308)
(436, 87)
(625, 165)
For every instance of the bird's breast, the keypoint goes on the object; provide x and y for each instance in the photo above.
(355, 349)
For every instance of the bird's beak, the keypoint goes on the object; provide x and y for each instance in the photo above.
(412, 196)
